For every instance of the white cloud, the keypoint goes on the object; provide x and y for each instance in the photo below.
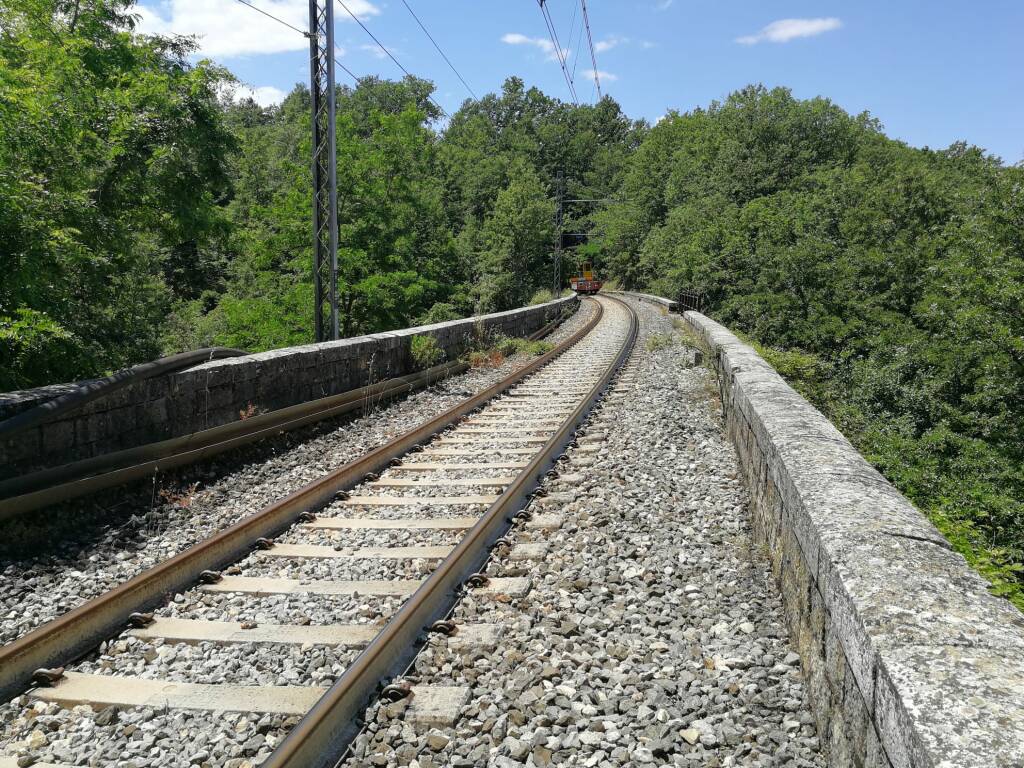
(231, 29)
(376, 52)
(608, 43)
(784, 30)
(541, 43)
(264, 95)
(604, 76)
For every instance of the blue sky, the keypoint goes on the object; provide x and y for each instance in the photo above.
(932, 72)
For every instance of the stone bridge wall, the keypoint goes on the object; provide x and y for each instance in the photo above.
(909, 661)
(215, 393)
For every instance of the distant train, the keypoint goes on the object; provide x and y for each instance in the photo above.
(586, 283)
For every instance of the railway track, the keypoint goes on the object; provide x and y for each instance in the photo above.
(289, 602)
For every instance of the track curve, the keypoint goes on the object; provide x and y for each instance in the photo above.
(330, 720)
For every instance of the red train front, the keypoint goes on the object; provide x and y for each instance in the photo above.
(585, 283)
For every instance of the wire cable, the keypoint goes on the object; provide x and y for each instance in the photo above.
(447, 60)
(572, 24)
(348, 71)
(577, 47)
(559, 54)
(304, 33)
(389, 54)
(593, 56)
(272, 16)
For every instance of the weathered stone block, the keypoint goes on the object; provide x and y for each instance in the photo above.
(214, 392)
(874, 754)
(221, 398)
(921, 666)
(856, 718)
(57, 436)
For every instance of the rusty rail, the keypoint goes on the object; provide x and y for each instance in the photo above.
(322, 735)
(64, 639)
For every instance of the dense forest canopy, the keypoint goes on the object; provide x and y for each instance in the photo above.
(144, 210)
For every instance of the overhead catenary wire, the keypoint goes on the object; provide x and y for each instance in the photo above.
(438, 47)
(390, 55)
(576, 48)
(572, 23)
(272, 16)
(347, 70)
(590, 41)
(559, 53)
(573, 49)
(302, 32)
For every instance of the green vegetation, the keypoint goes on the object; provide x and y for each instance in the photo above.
(425, 351)
(113, 159)
(143, 211)
(543, 296)
(658, 341)
(885, 282)
(531, 348)
(507, 347)
(439, 313)
(498, 349)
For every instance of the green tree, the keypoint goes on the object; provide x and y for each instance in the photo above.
(517, 241)
(885, 280)
(397, 253)
(112, 162)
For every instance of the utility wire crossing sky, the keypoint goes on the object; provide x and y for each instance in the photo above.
(932, 73)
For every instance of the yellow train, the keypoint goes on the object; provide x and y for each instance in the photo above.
(586, 282)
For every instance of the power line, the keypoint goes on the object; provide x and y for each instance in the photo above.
(348, 71)
(559, 51)
(572, 23)
(579, 40)
(389, 54)
(272, 16)
(559, 54)
(590, 40)
(302, 32)
(439, 49)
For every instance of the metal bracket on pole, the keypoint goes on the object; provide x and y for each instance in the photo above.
(325, 170)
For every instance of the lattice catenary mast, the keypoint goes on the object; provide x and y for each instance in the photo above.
(556, 284)
(325, 170)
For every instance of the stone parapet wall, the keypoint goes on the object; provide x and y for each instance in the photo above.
(668, 304)
(218, 392)
(909, 660)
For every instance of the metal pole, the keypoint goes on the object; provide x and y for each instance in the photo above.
(325, 170)
(557, 283)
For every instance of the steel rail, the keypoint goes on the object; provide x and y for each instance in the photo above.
(323, 734)
(67, 637)
(70, 481)
(27, 493)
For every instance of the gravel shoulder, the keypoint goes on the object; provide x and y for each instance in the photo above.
(89, 546)
(653, 633)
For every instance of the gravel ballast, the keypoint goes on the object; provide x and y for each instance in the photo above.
(144, 526)
(653, 633)
(140, 738)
